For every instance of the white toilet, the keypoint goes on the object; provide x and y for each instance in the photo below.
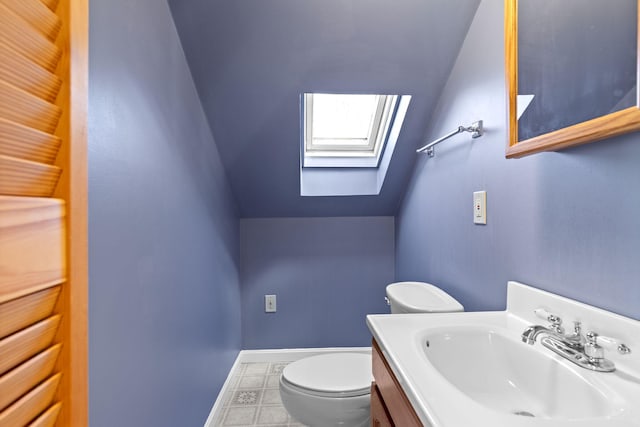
(420, 297)
(333, 389)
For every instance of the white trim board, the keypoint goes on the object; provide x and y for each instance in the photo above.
(279, 355)
(218, 403)
(293, 354)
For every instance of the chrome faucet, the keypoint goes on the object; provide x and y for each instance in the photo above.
(576, 340)
(555, 329)
(586, 352)
(530, 334)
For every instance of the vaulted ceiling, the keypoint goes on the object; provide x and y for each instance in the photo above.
(251, 60)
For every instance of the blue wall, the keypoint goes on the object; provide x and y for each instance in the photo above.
(164, 314)
(328, 274)
(251, 60)
(566, 221)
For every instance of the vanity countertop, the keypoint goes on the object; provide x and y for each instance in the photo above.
(439, 402)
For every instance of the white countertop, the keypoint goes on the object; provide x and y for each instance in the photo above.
(439, 403)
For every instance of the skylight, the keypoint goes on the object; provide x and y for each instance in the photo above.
(342, 121)
(347, 142)
(346, 126)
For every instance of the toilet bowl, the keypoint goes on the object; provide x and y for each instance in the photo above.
(333, 389)
(328, 390)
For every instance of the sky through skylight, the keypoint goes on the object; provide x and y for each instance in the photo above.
(339, 119)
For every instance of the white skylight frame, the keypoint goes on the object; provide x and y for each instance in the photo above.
(344, 154)
(349, 180)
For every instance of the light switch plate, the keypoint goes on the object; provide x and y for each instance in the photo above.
(480, 207)
(270, 304)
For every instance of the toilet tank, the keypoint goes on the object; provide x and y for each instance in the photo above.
(420, 297)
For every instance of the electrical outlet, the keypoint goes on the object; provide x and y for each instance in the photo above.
(480, 207)
(269, 303)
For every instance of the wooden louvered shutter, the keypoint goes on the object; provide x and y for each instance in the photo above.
(43, 213)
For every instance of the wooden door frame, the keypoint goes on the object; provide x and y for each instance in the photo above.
(73, 188)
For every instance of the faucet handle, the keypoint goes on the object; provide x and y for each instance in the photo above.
(607, 342)
(577, 327)
(554, 319)
(576, 339)
(592, 349)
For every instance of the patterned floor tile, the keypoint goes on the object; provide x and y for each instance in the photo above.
(246, 397)
(253, 398)
(251, 381)
(255, 369)
(273, 381)
(276, 368)
(271, 397)
(240, 417)
(272, 415)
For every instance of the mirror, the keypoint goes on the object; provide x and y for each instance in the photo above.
(572, 72)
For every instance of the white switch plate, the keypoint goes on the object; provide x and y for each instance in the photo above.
(480, 207)
(269, 303)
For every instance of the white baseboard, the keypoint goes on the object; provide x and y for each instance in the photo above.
(293, 354)
(218, 403)
(269, 356)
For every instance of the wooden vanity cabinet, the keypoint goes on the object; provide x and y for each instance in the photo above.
(380, 417)
(389, 405)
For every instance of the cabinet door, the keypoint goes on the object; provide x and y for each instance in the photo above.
(379, 415)
(395, 401)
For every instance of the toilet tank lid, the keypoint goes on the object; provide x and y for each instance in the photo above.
(332, 372)
(422, 297)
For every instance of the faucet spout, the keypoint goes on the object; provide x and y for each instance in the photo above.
(530, 334)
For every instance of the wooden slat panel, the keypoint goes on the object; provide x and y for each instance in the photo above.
(22, 312)
(25, 178)
(31, 405)
(27, 75)
(20, 380)
(37, 14)
(23, 38)
(48, 419)
(19, 106)
(23, 142)
(22, 345)
(51, 4)
(32, 245)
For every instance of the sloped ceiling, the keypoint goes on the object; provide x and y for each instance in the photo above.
(251, 59)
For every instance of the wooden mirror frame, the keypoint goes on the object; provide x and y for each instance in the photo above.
(618, 123)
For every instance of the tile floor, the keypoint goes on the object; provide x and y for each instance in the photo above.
(253, 398)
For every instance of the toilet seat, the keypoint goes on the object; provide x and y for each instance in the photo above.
(330, 375)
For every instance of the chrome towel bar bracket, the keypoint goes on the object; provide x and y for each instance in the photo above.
(476, 129)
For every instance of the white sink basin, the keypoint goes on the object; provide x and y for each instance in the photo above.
(514, 378)
(472, 369)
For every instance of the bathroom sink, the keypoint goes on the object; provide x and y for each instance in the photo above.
(507, 376)
(473, 369)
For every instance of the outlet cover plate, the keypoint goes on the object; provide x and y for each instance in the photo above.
(480, 207)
